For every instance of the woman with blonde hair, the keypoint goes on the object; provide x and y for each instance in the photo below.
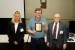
(16, 32)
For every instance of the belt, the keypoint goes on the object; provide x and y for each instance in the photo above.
(38, 38)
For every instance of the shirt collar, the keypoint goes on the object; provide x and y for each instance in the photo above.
(36, 20)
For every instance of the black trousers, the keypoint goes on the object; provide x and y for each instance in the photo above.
(37, 44)
(12, 46)
(54, 45)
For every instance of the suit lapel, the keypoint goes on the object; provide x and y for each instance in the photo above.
(52, 26)
(51, 29)
(59, 29)
(13, 27)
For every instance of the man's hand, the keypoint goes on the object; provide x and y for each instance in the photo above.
(48, 44)
(64, 46)
(45, 27)
(33, 32)
(43, 24)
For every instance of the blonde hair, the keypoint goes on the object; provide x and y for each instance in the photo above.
(13, 18)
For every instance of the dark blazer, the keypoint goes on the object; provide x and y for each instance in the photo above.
(18, 36)
(61, 38)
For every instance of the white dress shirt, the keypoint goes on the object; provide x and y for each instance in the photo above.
(16, 25)
(56, 29)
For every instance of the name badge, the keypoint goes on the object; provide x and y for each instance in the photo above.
(21, 30)
(61, 32)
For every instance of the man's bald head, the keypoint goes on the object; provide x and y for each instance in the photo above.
(56, 17)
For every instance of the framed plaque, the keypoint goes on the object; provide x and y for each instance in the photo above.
(38, 27)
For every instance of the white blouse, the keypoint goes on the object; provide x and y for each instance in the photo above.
(16, 25)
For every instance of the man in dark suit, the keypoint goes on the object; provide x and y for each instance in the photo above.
(57, 34)
(16, 32)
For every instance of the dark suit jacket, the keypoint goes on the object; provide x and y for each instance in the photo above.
(61, 38)
(18, 36)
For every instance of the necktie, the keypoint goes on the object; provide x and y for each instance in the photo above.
(54, 32)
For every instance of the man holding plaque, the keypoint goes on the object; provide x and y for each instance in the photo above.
(37, 27)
